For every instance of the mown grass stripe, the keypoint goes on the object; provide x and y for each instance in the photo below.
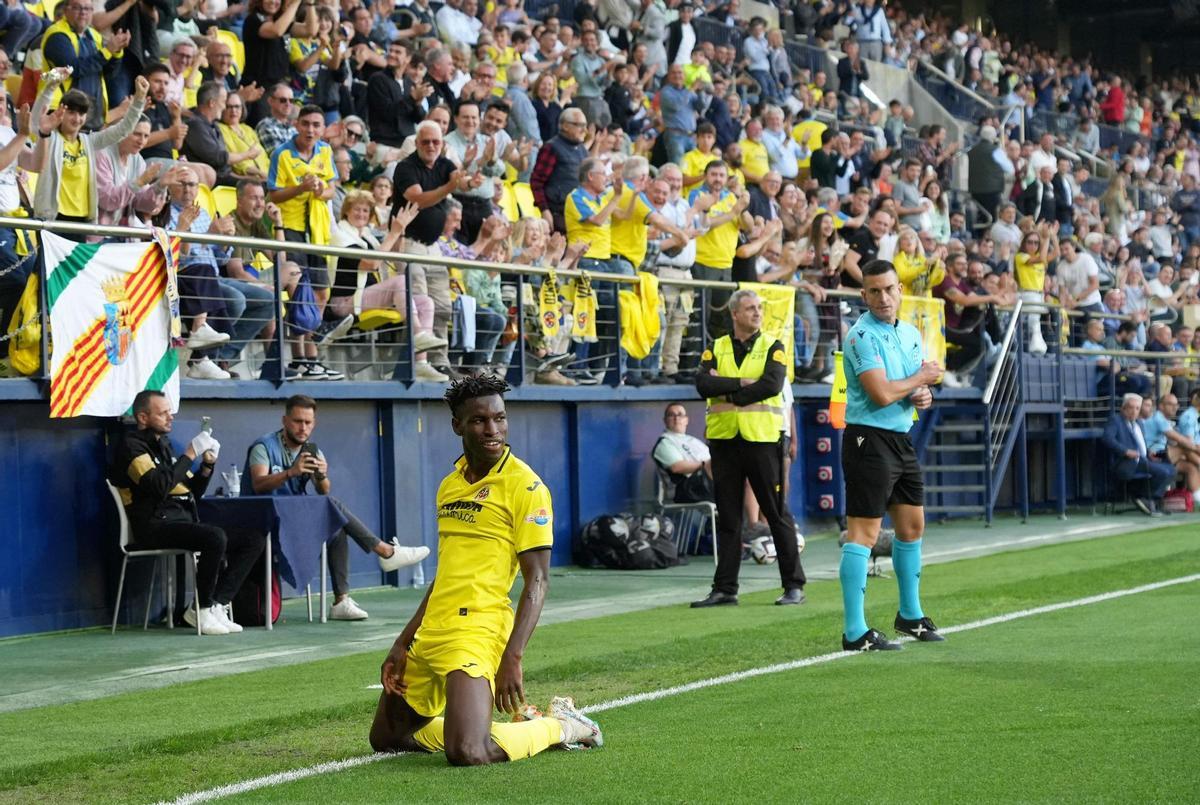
(280, 778)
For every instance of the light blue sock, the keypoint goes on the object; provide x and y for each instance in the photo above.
(906, 561)
(853, 574)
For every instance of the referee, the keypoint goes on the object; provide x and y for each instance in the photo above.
(742, 377)
(886, 378)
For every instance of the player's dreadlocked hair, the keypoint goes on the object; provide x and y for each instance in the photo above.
(472, 386)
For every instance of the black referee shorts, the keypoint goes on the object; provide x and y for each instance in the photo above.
(881, 470)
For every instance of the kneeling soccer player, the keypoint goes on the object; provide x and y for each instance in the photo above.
(886, 378)
(461, 652)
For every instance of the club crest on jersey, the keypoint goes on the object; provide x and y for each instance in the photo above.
(482, 494)
(539, 517)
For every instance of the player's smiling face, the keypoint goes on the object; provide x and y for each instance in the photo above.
(483, 426)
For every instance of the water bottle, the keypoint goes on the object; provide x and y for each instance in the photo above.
(418, 576)
(235, 481)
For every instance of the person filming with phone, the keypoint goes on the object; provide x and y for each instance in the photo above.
(288, 462)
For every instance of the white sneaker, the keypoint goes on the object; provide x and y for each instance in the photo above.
(209, 622)
(222, 612)
(205, 336)
(205, 369)
(423, 342)
(952, 381)
(425, 373)
(1037, 344)
(347, 610)
(579, 731)
(402, 556)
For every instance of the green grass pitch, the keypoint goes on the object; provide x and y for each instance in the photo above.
(1099, 703)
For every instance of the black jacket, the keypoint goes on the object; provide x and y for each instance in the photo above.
(162, 486)
(391, 112)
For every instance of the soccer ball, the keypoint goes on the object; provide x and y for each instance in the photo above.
(762, 550)
(800, 543)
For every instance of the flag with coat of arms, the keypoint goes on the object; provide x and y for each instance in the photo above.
(111, 321)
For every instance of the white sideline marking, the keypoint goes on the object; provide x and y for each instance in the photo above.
(280, 778)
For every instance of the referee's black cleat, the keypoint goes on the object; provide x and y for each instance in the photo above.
(920, 628)
(716, 599)
(793, 595)
(871, 641)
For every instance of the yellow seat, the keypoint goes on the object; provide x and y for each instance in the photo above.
(375, 318)
(204, 197)
(236, 46)
(525, 202)
(508, 203)
(225, 199)
(12, 85)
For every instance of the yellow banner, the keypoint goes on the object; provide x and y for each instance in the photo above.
(779, 317)
(929, 316)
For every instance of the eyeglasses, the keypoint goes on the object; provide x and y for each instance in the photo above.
(680, 415)
(353, 133)
(283, 100)
(429, 142)
(189, 184)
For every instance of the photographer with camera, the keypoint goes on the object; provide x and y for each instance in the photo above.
(286, 462)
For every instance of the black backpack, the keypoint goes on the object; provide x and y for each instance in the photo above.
(626, 542)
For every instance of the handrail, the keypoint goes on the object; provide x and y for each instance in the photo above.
(955, 83)
(994, 376)
(1145, 355)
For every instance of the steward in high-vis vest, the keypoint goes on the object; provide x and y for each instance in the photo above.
(742, 378)
(72, 42)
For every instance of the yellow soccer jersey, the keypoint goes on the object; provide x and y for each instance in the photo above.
(695, 162)
(629, 237)
(716, 247)
(73, 189)
(579, 209)
(481, 529)
(288, 169)
(754, 158)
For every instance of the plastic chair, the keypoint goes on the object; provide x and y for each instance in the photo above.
(205, 198)
(160, 553)
(12, 85)
(236, 45)
(525, 202)
(508, 203)
(225, 199)
(694, 518)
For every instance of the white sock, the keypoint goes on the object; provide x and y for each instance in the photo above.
(1196, 497)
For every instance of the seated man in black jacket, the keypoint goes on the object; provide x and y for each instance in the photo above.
(160, 490)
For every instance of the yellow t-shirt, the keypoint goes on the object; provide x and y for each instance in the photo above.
(580, 207)
(288, 169)
(501, 58)
(243, 138)
(74, 189)
(808, 134)
(482, 527)
(918, 275)
(754, 158)
(696, 72)
(716, 247)
(695, 161)
(629, 237)
(1031, 274)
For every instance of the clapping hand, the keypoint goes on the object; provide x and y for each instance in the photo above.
(403, 217)
(187, 217)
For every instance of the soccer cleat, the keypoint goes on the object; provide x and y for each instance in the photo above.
(402, 556)
(920, 628)
(871, 641)
(579, 731)
(527, 712)
(347, 610)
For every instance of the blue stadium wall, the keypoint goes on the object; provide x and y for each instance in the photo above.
(59, 526)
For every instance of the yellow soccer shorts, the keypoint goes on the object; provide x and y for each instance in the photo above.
(432, 658)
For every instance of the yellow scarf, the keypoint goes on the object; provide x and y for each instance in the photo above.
(584, 326)
(549, 307)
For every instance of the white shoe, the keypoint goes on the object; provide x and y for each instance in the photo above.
(205, 336)
(952, 381)
(347, 610)
(579, 731)
(205, 369)
(402, 556)
(423, 342)
(1037, 345)
(222, 612)
(425, 373)
(209, 622)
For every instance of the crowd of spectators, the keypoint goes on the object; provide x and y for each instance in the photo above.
(625, 137)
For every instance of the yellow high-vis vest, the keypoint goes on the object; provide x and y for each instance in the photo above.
(758, 422)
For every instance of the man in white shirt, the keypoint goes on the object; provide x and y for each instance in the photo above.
(674, 262)
(1042, 157)
(683, 457)
(1005, 230)
(1078, 285)
(459, 25)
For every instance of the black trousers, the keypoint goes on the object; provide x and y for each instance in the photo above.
(475, 211)
(734, 462)
(339, 550)
(970, 349)
(238, 548)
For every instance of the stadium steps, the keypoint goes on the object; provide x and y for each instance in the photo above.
(955, 464)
